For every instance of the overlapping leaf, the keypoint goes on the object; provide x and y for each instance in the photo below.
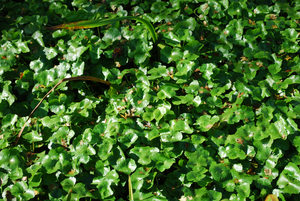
(212, 113)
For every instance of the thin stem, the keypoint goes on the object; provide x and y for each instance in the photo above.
(98, 32)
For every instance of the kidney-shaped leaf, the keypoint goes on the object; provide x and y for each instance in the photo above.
(9, 120)
(220, 172)
(143, 154)
(126, 166)
(162, 161)
(206, 122)
(289, 179)
(33, 136)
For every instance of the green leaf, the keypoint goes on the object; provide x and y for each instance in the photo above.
(36, 65)
(112, 75)
(162, 162)
(171, 39)
(33, 136)
(265, 112)
(262, 55)
(206, 122)
(204, 9)
(38, 36)
(59, 33)
(159, 7)
(126, 166)
(290, 34)
(262, 28)
(46, 77)
(263, 149)
(235, 29)
(214, 102)
(177, 54)
(161, 110)
(106, 182)
(180, 125)
(196, 175)
(95, 52)
(198, 139)
(77, 68)
(143, 178)
(234, 9)
(148, 115)
(293, 79)
(100, 128)
(203, 194)
(233, 152)
(193, 87)
(263, 183)
(80, 191)
(157, 72)
(193, 48)
(12, 163)
(243, 190)
(183, 99)
(143, 154)
(9, 120)
(21, 190)
(111, 35)
(262, 9)
(288, 179)
(118, 161)
(75, 51)
(200, 157)
(167, 91)
(36, 180)
(6, 93)
(50, 52)
(56, 106)
(22, 46)
(189, 24)
(185, 69)
(208, 70)
(68, 183)
(275, 68)
(252, 34)
(57, 159)
(158, 115)
(183, 29)
(128, 139)
(168, 135)
(165, 54)
(83, 151)
(42, 111)
(290, 47)
(230, 185)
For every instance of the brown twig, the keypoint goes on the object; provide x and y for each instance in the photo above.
(63, 80)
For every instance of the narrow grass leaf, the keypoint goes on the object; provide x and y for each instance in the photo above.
(97, 23)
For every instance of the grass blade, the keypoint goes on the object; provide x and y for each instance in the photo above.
(69, 195)
(130, 189)
(97, 23)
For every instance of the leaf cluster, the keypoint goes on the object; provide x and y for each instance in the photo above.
(209, 111)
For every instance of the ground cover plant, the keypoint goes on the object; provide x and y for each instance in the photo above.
(208, 110)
